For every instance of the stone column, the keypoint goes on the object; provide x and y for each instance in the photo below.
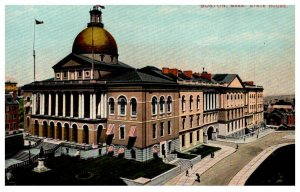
(64, 104)
(49, 107)
(91, 106)
(210, 101)
(102, 106)
(56, 104)
(204, 101)
(218, 101)
(33, 103)
(71, 104)
(105, 105)
(205, 138)
(82, 107)
(94, 106)
(79, 105)
(40, 105)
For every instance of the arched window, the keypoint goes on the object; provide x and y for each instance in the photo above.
(133, 106)
(122, 102)
(198, 102)
(191, 102)
(169, 104)
(183, 103)
(162, 105)
(154, 105)
(111, 104)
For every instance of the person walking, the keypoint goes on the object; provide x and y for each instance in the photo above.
(197, 177)
(187, 173)
(191, 166)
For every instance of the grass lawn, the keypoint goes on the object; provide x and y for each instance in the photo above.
(185, 155)
(105, 170)
(204, 150)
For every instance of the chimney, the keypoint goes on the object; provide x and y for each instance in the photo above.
(165, 71)
(249, 82)
(188, 74)
(174, 72)
(206, 75)
(196, 74)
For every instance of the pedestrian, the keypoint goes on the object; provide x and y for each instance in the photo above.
(213, 154)
(197, 177)
(187, 173)
(191, 165)
(257, 136)
(237, 147)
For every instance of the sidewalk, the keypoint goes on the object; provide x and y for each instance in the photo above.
(202, 166)
(249, 139)
(242, 176)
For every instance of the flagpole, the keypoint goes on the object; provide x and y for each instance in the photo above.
(92, 52)
(34, 50)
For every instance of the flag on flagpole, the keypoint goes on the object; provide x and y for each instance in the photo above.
(102, 7)
(38, 22)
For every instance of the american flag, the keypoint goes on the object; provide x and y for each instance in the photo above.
(110, 129)
(132, 132)
(101, 6)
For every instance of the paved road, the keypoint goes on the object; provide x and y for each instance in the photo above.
(222, 172)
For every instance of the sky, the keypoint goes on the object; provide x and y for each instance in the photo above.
(256, 43)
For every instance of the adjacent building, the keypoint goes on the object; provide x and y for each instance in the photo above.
(98, 100)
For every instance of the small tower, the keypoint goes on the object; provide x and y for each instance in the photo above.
(95, 17)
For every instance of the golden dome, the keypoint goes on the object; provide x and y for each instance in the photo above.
(104, 43)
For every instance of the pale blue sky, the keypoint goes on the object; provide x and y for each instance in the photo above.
(252, 42)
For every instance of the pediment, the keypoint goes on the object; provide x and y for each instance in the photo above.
(71, 63)
(236, 83)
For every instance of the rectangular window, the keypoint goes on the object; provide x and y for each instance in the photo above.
(162, 129)
(6, 127)
(79, 73)
(65, 74)
(169, 127)
(122, 132)
(182, 140)
(191, 137)
(72, 75)
(183, 122)
(154, 131)
(198, 135)
(198, 120)
(191, 121)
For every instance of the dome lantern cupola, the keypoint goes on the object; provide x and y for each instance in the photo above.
(95, 17)
(95, 42)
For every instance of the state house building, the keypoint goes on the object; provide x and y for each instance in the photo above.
(96, 99)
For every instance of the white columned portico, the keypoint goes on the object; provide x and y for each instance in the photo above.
(91, 106)
(79, 105)
(64, 104)
(94, 105)
(82, 107)
(71, 104)
(49, 103)
(56, 104)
